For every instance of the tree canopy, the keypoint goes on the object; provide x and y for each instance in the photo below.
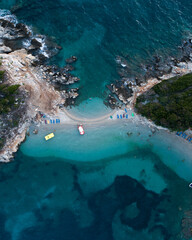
(169, 103)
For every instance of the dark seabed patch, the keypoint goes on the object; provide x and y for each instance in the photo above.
(3, 233)
(50, 198)
(50, 201)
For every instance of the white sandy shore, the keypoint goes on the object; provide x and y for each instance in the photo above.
(44, 98)
(67, 118)
(112, 137)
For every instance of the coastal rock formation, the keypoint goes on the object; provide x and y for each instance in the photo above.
(11, 31)
(4, 49)
(15, 36)
(111, 101)
(69, 96)
(23, 59)
(71, 60)
(40, 95)
(128, 88)
(59, 76)
(123, 91)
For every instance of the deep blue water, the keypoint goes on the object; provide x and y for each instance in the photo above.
(106, 186)
(98, 31)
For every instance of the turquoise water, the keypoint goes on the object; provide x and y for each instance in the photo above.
(105, 185)
(75, 187)
(91, 108)
(98, 31)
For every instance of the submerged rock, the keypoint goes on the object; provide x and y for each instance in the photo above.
(35, 131)
(130, 199)
(71, 60)
(129, 134)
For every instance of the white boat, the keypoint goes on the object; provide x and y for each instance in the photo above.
(81, 130)
(190, 185)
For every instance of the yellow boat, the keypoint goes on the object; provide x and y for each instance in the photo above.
(49, 136)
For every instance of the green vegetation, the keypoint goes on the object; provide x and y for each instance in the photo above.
(2, 75)
(169, 103)
(2, 142)
(7, 96)
(10, 109)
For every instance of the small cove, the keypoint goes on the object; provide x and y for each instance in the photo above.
(89, 187)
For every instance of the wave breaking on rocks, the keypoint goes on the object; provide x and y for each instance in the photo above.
(42, 88)
(15, 35)
(125, 90)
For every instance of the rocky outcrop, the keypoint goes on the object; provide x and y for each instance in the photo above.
(111, 101)
(71, 60)
(4, 49)
(59, 76)
(11, 31)
(43, 88)
(15, 36)
(37, 94)
(69, 96)
(127, 88)
(122, 91)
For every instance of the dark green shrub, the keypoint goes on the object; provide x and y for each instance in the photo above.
(2, 73)
(172, 107)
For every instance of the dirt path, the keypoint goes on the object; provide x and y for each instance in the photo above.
(42, 95)
(101, 119)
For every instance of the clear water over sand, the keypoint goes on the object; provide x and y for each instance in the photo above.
(74, 182)
(105, 185)
(91, 108)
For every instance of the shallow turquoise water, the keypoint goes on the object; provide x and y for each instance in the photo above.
(110, 141)
(54, 187)
(91, 108)
(105, 185)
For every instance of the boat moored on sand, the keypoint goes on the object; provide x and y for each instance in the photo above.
(81, 130)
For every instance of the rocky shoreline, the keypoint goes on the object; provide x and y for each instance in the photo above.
(37, 95)
(46, 89)
(43, 88)
(127, 89)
